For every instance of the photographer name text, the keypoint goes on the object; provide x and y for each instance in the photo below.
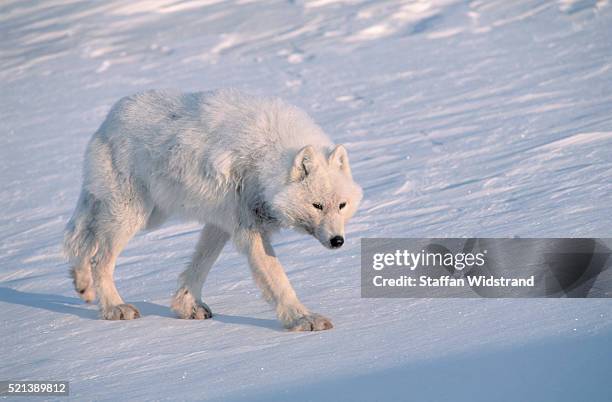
(407, 260)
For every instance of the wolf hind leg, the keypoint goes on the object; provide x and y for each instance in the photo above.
(187, 302)
(116, 222)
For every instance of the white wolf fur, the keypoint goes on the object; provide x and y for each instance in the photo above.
(244, 166)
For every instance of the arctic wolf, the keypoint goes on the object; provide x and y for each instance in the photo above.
(244, 166)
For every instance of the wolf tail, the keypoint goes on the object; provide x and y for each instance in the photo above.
(80, 240)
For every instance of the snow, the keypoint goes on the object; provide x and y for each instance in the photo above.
(481, 118)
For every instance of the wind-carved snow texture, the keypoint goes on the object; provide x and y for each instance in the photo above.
(481, 118)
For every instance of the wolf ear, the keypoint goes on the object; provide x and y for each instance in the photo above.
(338, 157)
(303, 163)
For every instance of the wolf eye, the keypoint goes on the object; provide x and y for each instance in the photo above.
(317, 206)
(342, 205)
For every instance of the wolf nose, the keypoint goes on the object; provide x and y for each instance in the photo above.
(336, 241)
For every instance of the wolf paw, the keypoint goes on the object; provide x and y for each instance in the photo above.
(200, 311)
(187, 307)
(310, 322)
(121, 312)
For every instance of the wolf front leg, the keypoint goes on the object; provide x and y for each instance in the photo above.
(273, 282)
(187, 302)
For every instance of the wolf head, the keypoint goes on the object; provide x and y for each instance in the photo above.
(320, 195)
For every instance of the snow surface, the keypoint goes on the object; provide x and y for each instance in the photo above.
(462, 118)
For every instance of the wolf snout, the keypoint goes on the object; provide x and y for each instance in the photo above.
(336, 241)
